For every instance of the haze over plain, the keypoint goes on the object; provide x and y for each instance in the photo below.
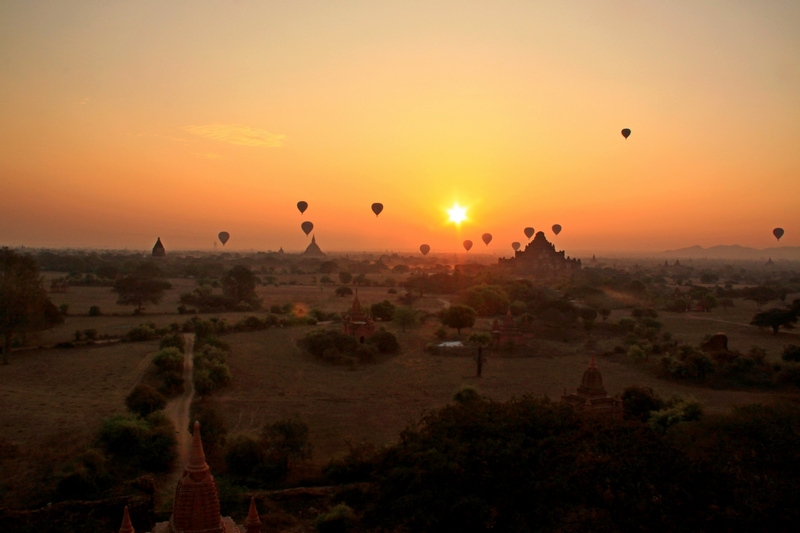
(127, 121)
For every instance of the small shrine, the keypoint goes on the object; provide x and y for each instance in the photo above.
(158, 249)
(509, 333)
(592, 396)
(357, 322)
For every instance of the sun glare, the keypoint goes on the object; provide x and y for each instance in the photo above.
(457, 214)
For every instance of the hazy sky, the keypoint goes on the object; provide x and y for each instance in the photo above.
(123, 121)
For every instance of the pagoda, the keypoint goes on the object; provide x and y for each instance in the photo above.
(592, 396)
(158, 249)
(313, 249)
(356, 322)
(196, 505)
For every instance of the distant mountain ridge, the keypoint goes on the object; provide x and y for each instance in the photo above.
(735, 251)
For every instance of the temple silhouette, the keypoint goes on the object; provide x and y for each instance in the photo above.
(158, 249)
(313, 249)
(592, 397)
(540, 256)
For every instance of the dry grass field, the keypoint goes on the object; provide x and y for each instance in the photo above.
(54, 402)
(274, 379)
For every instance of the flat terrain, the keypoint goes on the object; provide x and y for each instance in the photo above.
(274, 379)
(55, 399)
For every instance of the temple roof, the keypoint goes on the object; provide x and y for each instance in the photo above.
(158, 249)
(313, 248)
(126, 527)
(592, 382)
(252, 523)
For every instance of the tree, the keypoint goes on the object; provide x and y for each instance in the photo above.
(345, 277)
(239, 284)
(487, 300)
(775, 318)
(343, 291)
(458, 316)
(605, 312)
(135, 290)
(383, 311)
(761, 295)
(24, 305)
(406, 317)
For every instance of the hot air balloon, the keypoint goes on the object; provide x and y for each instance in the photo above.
(424, 248)
(467, 245)
(626, 132)
(529, 232)
(515, 246)
(223, 237)
(302, 206)
(556, 228)
(486, 238)
(377, 208)
(778, 232)
(307, 227)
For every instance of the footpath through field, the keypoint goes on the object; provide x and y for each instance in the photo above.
(178, 412)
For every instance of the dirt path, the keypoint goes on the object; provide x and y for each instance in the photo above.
(178, 412)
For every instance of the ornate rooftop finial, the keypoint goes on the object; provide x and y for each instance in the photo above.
(252, 523)
(126, 527)
(197, 457)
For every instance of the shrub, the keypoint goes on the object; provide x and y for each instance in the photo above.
(175, 340)
(169, 360)
(142, 332)
(385, 341)
(95, 311)
(140, 443)
(243, 454)
(144, 400)
(791, 352)
(343, 291)
(383, 311)
(340, 519)
(639, 402)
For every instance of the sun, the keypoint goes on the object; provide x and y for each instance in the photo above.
(457, 214)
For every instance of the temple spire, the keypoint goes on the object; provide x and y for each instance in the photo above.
(197, 457)
(126, 527)
(252, 523)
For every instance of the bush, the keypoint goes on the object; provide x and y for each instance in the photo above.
(639, 403)
(175, 340)
(791, 352)
(385, 341)
(340, 519)
(343, 291)
(243, 454)
(144, 400)
(142, 332)
(95, 311)
(140, 443)
(383, 311)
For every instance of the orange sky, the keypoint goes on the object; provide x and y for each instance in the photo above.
(126, 121)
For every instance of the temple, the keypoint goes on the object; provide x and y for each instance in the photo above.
(357, 322)
(313, 249)
(540, 256)
(158, 249)
(196, 505)
(592, 396)
(509, 334)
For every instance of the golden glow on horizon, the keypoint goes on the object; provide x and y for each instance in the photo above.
(457, 214)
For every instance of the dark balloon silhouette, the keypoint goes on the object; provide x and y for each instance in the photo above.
(529, 232)
(302, 206)
(626, 132)
(377, 208)
(424, 248)
(515, 246)
(467, 245)
(556, 228)
(486, 238)
(223, 237)
(307, 227)
(778, 232)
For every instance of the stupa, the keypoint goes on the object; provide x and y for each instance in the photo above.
(356, 322)
(313, 249)
(592, 396)
(158, 249)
